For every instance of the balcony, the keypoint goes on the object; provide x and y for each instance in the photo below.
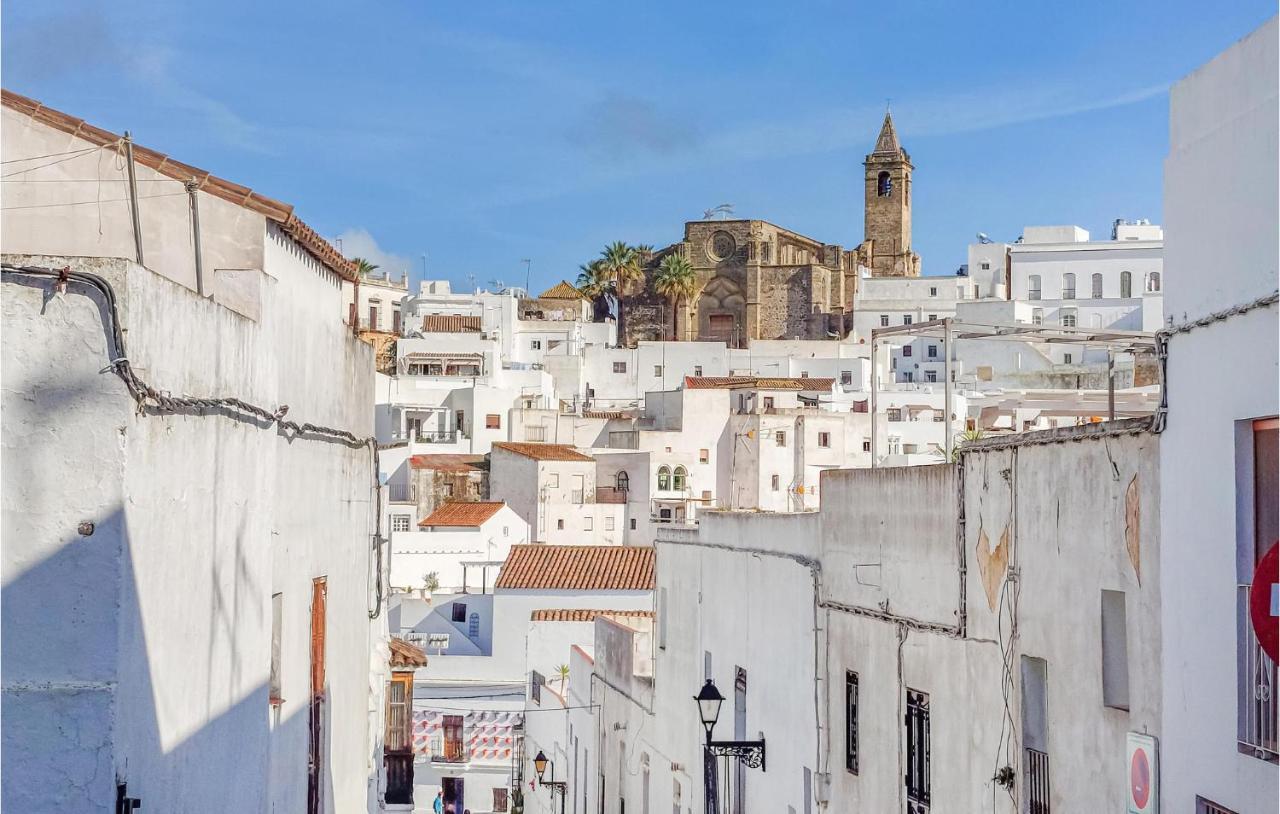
(1257, 706)
(434, 436)
(449, 750)
(401, 493)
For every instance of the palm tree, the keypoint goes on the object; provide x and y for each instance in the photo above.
(364, 266)
(622, 264)
(596, 286)
(562, 673)
(675, 279)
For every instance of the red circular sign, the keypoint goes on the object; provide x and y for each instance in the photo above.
(1140, 778)
(1263, 595)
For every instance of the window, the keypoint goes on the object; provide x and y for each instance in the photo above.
(697, 370)
(1257, 527)
(773, 482)
(1126, 284)
(931, 375)
(493, 421)
(1068, 358)
(851, 721)
(277, 621)
(1033, 287)
(1068, 317)
(553, 480)
(447, 488)
(1037, 316)
(824, 439)
(678, 479)
(704, 455)
(884, 185)
(986, 266)
(588, 524)
(1095, 286)
(401, 522)
(458, 611)
(536, 682)
(535, 344)
(664, 478)
(906, 319)
(608, 524)
(768, 402)
(622, 481)
(500, 799)
(933, 317)
(1204, 806)
(1115, 651)
(1153, 281)
(933, 291)
(537, 434)
(910, 449)
(633, 524)
(780, 438)
(918, 757)
(619, 367)
(560, 524)
(1068, 286)
(884, 320)
(906, 350)
(846, 378)
(894, 413)
(932, 352)
(1035, 734)
(866, 446)
(473, 626)
(657, 370)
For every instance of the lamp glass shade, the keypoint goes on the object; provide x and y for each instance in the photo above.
(709, 700)
(540, 764)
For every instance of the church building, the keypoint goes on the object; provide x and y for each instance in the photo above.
(757, 280)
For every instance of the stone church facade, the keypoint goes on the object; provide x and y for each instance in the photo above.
(757, 280)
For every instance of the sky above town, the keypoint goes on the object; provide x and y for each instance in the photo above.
(482, 134)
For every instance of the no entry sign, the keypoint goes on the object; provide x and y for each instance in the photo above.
(1264, 601)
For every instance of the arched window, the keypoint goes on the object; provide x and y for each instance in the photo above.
(1096, 291)
(884, 185)
(664, 478)
(1126, 284)
(1033, 287)
(1068, 286)
(622, 481)
(1153, 281)
(678, 480)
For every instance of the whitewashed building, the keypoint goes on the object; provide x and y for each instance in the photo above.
(1219, 451)
(553, 487)
(459, 546)
(192, 589)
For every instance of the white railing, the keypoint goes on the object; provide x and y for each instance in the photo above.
(1256, 715)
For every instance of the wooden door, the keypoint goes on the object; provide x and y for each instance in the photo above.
(315, 751)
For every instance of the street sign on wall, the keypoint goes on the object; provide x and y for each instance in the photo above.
(1143, 768)
(1264, 600)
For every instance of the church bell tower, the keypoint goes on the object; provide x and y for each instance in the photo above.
(887, 225)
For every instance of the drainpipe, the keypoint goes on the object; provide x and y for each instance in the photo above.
(193, 189)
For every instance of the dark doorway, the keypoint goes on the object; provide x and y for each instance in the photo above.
(454, 800)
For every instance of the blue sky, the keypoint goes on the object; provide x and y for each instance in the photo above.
(481, 134)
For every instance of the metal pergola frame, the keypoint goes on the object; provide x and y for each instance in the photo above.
(950, 330)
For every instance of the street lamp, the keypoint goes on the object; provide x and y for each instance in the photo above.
(540, 764)
(750, 753)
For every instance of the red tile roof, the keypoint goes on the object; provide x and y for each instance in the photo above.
(756, 383)
(404, 654)
(583, 614)
(462, 513)
(276, 211)
(561, 291)
(543, 452)
(444, 462)
(450, 324)
(578, 568)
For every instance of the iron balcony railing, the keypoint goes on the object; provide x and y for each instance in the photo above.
(449, 750)
(1257, 706)
(400, 492)
(434, 436)
(1036, 769)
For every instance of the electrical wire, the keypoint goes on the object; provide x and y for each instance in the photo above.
(69, 157)
(86, 203)
(49, 155)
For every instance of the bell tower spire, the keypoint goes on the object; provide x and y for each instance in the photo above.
(887, 197)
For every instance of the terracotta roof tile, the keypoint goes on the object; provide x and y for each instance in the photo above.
(578, 568)
(442, 462)
(450, 324)
(404, 654)
(543, 452)
(756, 383)
(273, 210)
(462, 513)
(584, 614)
(561, 291)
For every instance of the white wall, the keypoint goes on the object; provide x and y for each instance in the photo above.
(1221, 212)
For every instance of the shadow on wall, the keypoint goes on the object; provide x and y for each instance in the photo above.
(80, 703)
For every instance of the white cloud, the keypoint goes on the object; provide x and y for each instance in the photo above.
(357, 242)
